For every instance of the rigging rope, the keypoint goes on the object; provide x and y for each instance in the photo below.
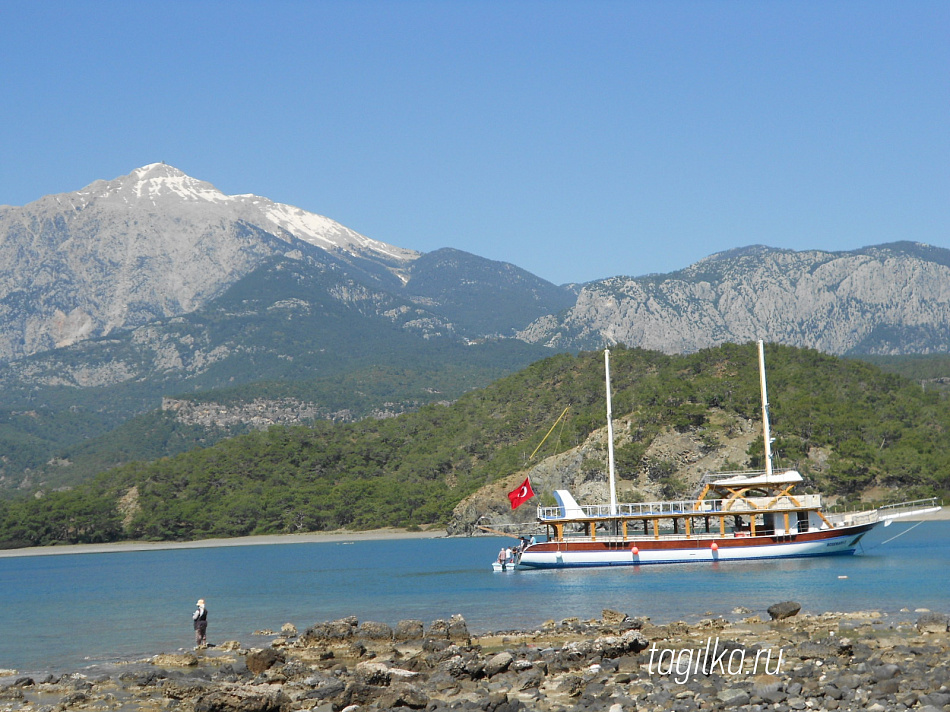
(892, 538)
(549, 432)
(902, 533)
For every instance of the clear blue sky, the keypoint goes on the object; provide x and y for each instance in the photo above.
(578, 140)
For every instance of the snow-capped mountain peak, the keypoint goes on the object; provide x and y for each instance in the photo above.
(159, 179)
(152, 244)
(156, 181)
(160, 183)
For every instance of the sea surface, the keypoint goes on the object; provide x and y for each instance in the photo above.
(72, 612)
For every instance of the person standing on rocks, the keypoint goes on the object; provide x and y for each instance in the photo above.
(200, 619)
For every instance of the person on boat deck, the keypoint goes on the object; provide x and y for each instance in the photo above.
(502, 558)
(509, 554)
(200, 620)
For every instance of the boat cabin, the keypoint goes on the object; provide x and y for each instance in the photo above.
(736, 504)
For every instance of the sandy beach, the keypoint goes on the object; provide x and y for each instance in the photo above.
(309, 538)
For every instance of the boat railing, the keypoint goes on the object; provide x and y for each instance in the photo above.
(870, 513)
(865, 516)
(909, 509)
(689, 508)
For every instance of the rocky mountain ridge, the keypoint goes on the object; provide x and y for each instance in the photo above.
(157, 244)
(887, 299)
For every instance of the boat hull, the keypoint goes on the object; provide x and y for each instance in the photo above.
(577, 554)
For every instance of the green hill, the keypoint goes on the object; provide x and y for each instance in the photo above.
(276, 333)
(875, 430)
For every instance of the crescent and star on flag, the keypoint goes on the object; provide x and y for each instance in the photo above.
(521, 494)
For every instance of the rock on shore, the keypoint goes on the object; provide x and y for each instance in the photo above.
(833, 661)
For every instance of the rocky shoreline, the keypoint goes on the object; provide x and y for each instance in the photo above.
(785, 661)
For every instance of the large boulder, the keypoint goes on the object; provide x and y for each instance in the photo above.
(237, 698)
(403, 694)
(370, 630)
(370, 672)
(409, 630)
(330, 631)
(259, 661)
(786, 609)
(498, 664)
(453, 629)
(612, 618)
(185, 659)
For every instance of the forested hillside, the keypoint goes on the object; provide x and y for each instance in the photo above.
(872, 429)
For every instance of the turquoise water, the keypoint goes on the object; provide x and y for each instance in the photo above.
(71, 611)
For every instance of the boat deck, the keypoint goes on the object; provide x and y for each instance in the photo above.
(683, 508)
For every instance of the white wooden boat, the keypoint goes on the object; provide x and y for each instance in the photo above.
(734, 516)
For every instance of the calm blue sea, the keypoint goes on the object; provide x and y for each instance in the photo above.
(72, 611)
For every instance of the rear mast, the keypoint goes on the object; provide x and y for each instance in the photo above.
(766, 434)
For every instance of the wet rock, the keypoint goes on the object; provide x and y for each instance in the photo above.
(186, 659)
(259, 661)
(786, 609)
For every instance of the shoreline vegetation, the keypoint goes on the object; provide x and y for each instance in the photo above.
(854, 433)
(270, 539)
(787, 660)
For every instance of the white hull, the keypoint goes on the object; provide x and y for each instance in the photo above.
(577, 556)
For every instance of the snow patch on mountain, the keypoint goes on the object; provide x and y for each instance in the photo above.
(152, 244)
(158, 180)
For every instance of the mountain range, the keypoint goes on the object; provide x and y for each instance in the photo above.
(156, 284)
(156, 244)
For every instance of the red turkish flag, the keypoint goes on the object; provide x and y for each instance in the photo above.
(521, 494)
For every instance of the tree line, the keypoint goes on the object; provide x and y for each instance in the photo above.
(874, 428)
